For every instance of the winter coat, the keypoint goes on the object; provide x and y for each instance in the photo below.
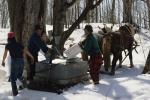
(90, 45)
(35, 44)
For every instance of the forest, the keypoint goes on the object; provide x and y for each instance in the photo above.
(67, 18)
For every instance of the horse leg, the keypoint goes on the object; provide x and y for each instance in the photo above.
(106, 62)
(130, 57)
(114, 61)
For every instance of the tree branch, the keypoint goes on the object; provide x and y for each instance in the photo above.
(96, 4)
(68, 32)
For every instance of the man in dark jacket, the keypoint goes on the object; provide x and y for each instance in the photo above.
(35, 44)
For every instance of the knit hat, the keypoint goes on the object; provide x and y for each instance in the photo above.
(11, 35)
(89, 28)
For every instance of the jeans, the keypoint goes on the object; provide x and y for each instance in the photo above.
(17, 66)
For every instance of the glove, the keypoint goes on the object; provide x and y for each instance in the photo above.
(47, 55)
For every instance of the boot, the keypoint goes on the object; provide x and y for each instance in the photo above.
(14, 89)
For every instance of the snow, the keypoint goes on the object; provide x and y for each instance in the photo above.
(127, 84)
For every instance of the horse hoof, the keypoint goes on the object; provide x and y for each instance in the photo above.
(131, 66)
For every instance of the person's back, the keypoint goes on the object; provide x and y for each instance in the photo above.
(33, 48)
(35, 44)
(99, 39)
(91, 45)
(15, 49)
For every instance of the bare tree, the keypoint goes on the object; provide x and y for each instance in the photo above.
(145, 17)
(147, 65)
(4, 13)
(113, 12)
(148, 6)
(96, 17)
(127, 11)
(24, 15)
(119, 9)
(60, 7)
(49, 16)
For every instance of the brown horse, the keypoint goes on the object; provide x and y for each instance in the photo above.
(116, 42)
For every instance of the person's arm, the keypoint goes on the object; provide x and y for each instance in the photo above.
(87, 46)
(4, 57)
(38, 42)
(26, 52)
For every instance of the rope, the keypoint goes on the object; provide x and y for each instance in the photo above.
(129, 30)
(134, 48)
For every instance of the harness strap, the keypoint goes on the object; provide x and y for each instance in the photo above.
(129, 30)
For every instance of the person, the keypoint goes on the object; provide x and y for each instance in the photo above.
(34, 45)
(16, 51)
(91, 48)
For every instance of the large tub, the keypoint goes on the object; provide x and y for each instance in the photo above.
(62, 72)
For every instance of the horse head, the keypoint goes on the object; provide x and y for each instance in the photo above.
(129, 29)
(104, 30)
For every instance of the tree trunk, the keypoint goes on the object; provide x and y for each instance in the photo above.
(147, 65)
(127, 12)
(65, 35)
(100, 14)
(119, 12)
(16, 13)
(35, 13)
(24, 15)
(148, 6)
(96, 15)
(4, 13)
(59, 16)
(78, 7)
(113, 12)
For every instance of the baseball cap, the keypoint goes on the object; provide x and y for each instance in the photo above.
(11, 34)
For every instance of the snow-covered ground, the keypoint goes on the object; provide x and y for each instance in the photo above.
(127, 84)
